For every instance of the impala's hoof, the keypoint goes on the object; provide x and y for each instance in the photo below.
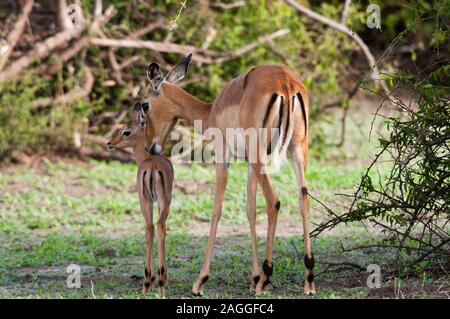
(197, 288)
(197, 293)
(254, 282)
(309, 288)
(261, 286)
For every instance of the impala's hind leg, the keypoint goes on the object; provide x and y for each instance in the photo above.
(147, 211)
(299, 157)
(252, 184)
(272, 206)
(164, 204)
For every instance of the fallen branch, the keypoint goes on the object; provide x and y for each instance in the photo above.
(16, 33)
(44, 48)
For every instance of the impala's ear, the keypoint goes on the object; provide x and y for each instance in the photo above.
(154, 75)
(142, 116)
(179, 71)
(137, 107)
(145, 106)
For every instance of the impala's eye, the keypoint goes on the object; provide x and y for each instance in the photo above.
(126, 133)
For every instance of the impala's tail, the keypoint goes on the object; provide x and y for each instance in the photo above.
(280, 110)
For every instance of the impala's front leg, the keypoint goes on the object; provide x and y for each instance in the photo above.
(147, 212)
(252, 184)
(272, 206)
(221, 183)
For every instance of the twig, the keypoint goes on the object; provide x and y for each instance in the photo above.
(173, 23)
(227, 6)
(344, 12)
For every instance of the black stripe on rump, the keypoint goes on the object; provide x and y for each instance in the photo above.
(143, 181)
(288, 122)
(269, 108)
(278, 127)
(293, 104)
(302, 104)
(162, 179)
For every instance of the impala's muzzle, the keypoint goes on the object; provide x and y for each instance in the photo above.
(155, 149)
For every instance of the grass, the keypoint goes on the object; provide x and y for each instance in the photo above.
(68, 212)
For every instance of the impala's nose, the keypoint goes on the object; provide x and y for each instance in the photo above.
(155, 149)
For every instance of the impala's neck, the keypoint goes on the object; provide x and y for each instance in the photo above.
(140, 153)
(188, 107)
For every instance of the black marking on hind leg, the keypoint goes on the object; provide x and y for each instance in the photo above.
(278, 205)
(147, 284)
(152, 278)
(266, 282)
(205, 279)
(256, 279)
(310, 277)
(309, 262)
(267, 268)
(304, 191)
(161, 283)
(147, 274)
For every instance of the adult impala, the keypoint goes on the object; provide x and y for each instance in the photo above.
(267, 96)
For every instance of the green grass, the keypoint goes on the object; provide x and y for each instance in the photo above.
(88, 214)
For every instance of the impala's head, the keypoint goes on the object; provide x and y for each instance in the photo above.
(164, 101)
(133, 132)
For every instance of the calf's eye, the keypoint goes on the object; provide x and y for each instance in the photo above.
(126, 133)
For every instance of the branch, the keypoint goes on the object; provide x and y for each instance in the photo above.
(374, 72)
(251, 46)
(197, 54)
(344, 12)
(44, 48)
(226, 6)
(16, 33)
(74, 95)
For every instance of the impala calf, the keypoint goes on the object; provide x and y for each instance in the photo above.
(154, 184)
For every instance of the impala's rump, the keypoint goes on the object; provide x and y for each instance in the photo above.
(264, 99)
